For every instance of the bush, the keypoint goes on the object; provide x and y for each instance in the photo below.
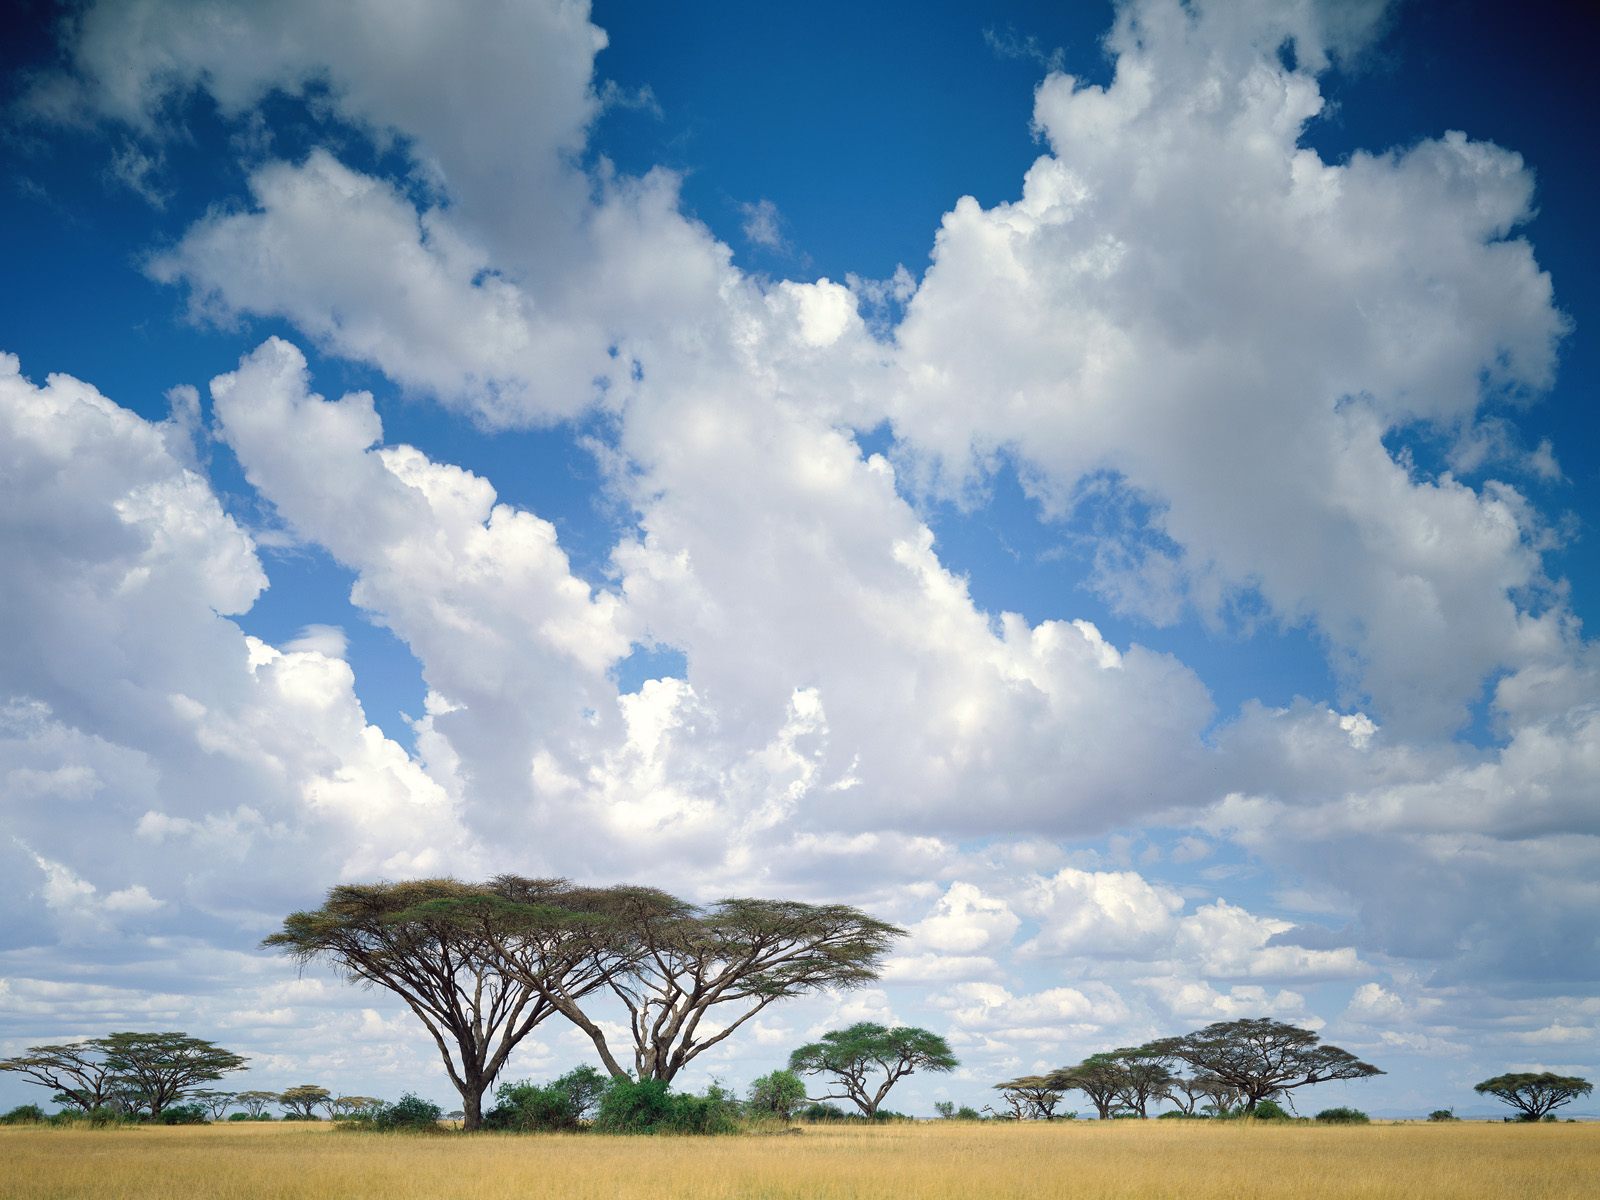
(1271, 1110)
(819, 1111)
(96, 1118)
(1443, 1114)
(1175, 1115)
(777, 1095)
(1343, 1116)
(266, 1116)
(528, 1108)
(181, 1114)
(648, 1106)
(299, 1116)
(23, 1114)
(409, 1114)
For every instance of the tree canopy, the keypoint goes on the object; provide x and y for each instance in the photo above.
(77, 1072)
(668, 962)
(1534, 1094)
(868, 1059)
(304, 1099)
(1260, 1057)
(411, 939)
(157, 1068)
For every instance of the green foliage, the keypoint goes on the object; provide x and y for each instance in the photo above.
(181, 1114)
(1534, 1094)
(527, 1107)
(300, 1116)
(244, 1116)
(649, 1106)
(23, 1114)
(868, 1059)
(1343, 1116)
(777, 1095)
(820, 1112)
(1175, 1115)
(968, 1113)
(946, 1109)
(1443, 1114)
(409, 1114)
(1271, 1110)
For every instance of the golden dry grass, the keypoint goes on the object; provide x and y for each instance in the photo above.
(931, 1161)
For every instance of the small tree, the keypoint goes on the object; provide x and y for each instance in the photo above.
(158, 1068)
(1261, 1057)
(1145, 1077)
(1100, 1077)
(347, 1106)
(778, 1094)
(304, 1100)
(1031, 1096)
(1534, 1094)
(255, 1102)
(77, 1072)
(856, 1056)
(216, 1104)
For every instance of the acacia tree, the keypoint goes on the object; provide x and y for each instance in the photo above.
(1260, 1057)
(671, 964)
(255, 1102)
(77, 1072)
(1534, 1094)
(855, 1056)
(1031, 1095)
(777, 1094)
(1145, 1077)
(453, 973)
(1188, 1092)
(215, 1103)
(305, 1099)
(1100, 1077)
(158, 1068)
(343, 1106)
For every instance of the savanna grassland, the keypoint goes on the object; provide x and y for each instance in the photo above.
(929, 1161)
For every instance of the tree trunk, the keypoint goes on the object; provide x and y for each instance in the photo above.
(472, 1104)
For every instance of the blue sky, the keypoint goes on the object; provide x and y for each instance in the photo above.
(1259, 408)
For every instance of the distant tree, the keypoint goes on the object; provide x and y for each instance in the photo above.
(449, 950)
(1188, 1093)
(1534, 1095)
(671, 964)
(778, 1094)
(1443, 1114)
(304, 1100)
(255, 1102)
(583, 1086)
(1031, 1096)
(158, 1068)
(216, 1104)
(945, 1110)
(868, 1059)
(1145, 1077)
(1100, 1077)
(76, 1071)
(344, 1106)
(1261, 1057)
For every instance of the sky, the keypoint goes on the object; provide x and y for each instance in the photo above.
(1105, 487)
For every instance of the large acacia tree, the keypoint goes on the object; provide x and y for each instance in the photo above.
(1100, 1077)
(867, 1059)
(1260, 1057)
(453, 974)
(1533, 1094)
(156, 1069)
(77, 1072)
(687, 976)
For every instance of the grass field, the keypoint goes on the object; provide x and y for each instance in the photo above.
(932, 1161)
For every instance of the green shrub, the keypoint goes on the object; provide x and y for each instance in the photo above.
(1175, 1115)
(299, 1116)
(181, 1114)
(1443, 1114)
(23, 1114)
(409, 1114)
(648, 1106)
(1271, 1110)
(247, 1117)
(819, 1111)
(778, 1095)
(528, 1108)
(1343, 1116)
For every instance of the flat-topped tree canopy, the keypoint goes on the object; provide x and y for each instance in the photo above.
(408, 938)
(1534, 1093)
(1261, 1057)
(668, 962)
